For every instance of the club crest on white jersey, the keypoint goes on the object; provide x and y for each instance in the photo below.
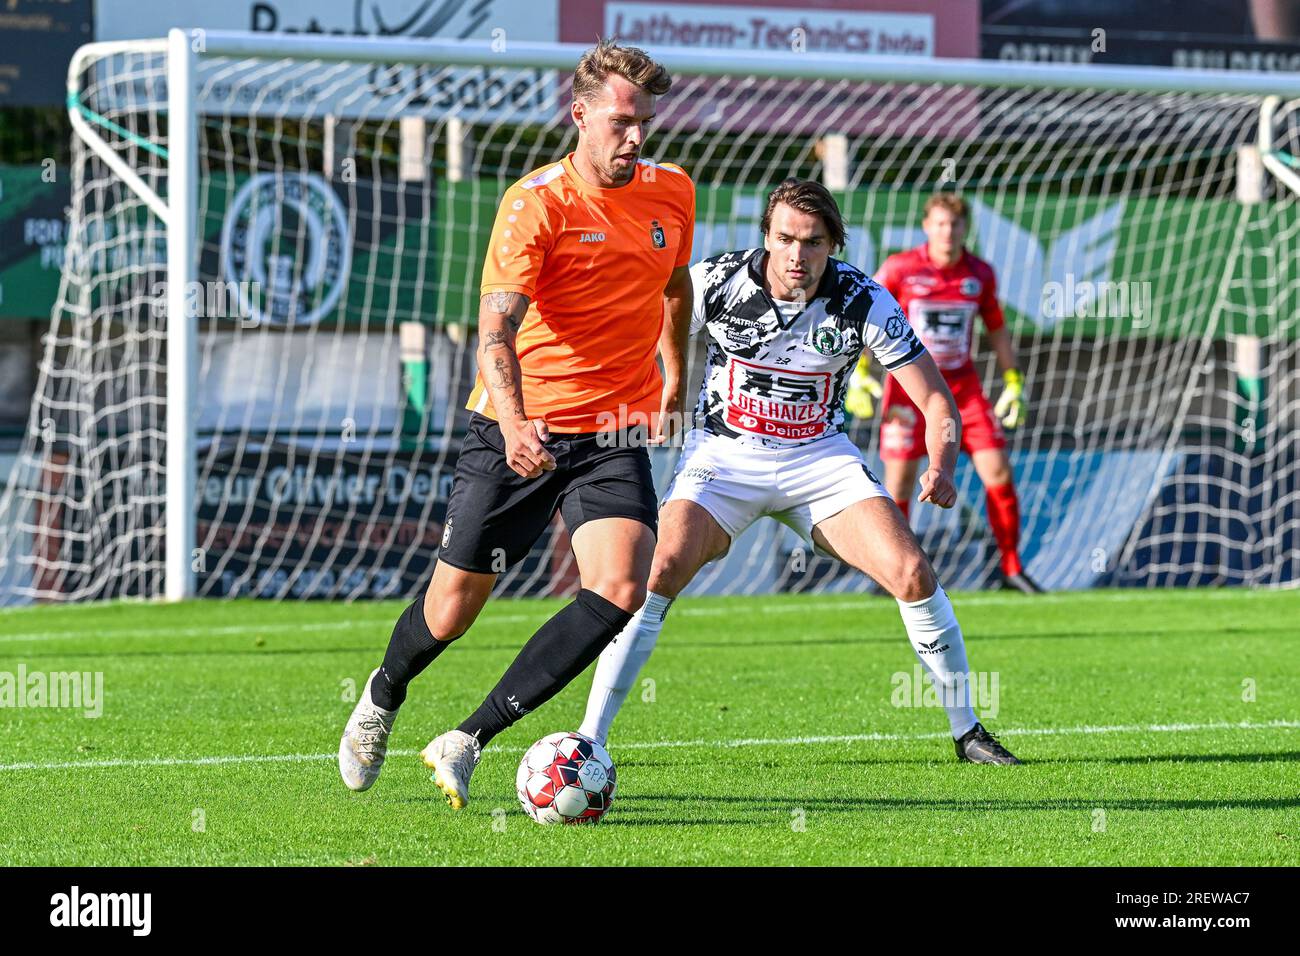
(777, 377)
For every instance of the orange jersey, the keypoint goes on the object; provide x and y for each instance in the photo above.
(594, 263)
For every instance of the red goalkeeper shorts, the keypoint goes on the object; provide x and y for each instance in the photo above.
(902, 426)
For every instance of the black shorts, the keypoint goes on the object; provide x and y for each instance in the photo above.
(495, 515)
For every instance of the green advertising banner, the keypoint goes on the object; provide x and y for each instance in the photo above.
(299, 249)
(302, 250)
(1114, 267)
(1092, 267)
(32, 237)
(1111, 267)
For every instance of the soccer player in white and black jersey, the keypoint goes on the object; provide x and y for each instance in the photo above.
(786, 325)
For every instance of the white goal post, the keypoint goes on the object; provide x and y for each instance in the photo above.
(1143, 222)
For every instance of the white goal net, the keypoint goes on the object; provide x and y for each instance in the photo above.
(334, 216)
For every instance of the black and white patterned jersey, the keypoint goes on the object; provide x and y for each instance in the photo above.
(777, 374)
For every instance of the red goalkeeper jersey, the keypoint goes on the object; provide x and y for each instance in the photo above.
(941, 303)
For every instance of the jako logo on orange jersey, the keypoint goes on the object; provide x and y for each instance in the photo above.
(592, 237)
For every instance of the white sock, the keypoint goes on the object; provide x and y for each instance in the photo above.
(935, 635)
(619, 664)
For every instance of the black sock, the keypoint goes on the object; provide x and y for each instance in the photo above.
(559, 651)
(411, 649)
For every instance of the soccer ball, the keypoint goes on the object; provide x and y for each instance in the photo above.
(565, 778)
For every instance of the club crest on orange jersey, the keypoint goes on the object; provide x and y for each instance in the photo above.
(657, 234)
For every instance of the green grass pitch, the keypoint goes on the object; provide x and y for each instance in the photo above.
(772, 738)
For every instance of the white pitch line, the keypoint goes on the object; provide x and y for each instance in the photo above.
(669, 744)
(795, 607)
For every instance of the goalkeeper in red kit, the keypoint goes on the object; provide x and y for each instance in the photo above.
(941, 288)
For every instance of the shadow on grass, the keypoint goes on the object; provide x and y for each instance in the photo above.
(1275, 756)
(943, 756)
(639, 809)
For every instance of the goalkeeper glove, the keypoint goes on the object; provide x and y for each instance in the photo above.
(863, 390)
(1010, 408)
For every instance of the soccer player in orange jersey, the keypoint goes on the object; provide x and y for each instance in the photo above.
(585, 280)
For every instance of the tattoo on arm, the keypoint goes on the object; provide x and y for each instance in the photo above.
(502, 375)
(497, 359)
(509, 305)
(501, 302)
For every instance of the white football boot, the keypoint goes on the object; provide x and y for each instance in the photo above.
(452, 758)
(365, 741)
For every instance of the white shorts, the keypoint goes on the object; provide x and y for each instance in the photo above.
(800, 486)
